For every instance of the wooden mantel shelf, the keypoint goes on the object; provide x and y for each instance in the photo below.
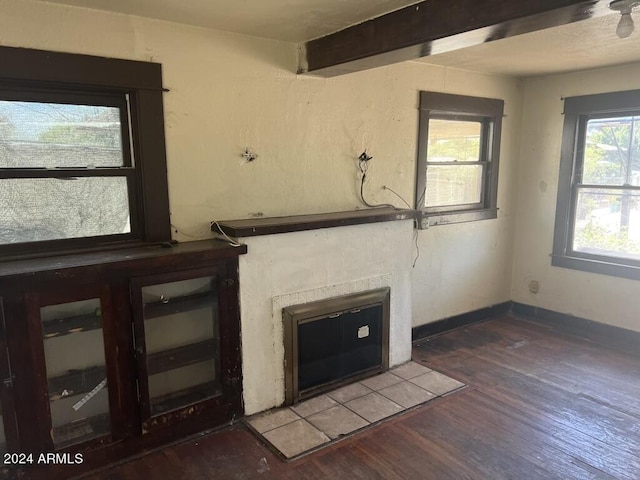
(252, 227)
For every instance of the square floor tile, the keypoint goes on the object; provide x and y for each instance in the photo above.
(315, 405)
(406, 394)
(437, 383)
(337, 421)
(373, 407)
(410, 370)
(349, 392)
(295, 438)
(381, 381)
(274, 419)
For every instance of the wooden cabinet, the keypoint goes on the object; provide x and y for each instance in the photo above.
(188, 369)
(107, 354)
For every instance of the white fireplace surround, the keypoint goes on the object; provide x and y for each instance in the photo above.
(294, 268)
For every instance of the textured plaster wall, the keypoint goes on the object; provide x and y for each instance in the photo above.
(597, 297)
(467, 266)
(229, 92)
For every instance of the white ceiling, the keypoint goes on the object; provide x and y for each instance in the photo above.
(289, 20)
(577, 46)
(587, 44)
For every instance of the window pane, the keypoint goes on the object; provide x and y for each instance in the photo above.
(453, 185)
(76, 371)
(40, 209)
(453, 141)
(50, 135)
(183, 367)
(612, 155)
(608, 223)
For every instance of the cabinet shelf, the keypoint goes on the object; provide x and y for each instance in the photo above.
(181, 356)
(67, 325)
(185, 397)
(75, 382)
(180, 304)
(81, 430)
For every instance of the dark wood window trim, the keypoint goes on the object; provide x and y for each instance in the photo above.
(489, 112)
(52, 73)
(577, 111)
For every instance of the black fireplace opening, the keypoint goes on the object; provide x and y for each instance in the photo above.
(335, 341)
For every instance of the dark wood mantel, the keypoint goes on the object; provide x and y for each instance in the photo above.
(252, 227)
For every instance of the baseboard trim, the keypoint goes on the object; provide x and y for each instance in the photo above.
(621, 339)
(459, 321)
(608, 335)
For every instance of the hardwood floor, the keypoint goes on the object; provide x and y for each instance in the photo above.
(539, 405)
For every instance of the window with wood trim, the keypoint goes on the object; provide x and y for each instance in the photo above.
(82, 156)
(598, 210)
(458, 153)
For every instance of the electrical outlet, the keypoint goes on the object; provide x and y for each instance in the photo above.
(534, 286)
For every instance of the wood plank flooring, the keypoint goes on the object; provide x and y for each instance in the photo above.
(539, 405)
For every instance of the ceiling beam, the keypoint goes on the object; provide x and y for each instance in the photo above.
(437, 26)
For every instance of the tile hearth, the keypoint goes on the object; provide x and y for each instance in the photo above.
(320, 421)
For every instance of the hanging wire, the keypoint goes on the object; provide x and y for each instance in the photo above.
(363, 164)
(415, 239)
(397, 195)
(232, 242)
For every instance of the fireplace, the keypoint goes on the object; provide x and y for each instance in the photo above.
(335, 341)
(298, 267)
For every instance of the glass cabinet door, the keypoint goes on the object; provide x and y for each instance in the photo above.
(178, 343)
(76, 371)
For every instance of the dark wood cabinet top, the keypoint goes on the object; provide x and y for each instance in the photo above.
(113, 263)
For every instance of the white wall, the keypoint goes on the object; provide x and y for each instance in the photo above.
(601, 298)
(465, 267)
(232, 91)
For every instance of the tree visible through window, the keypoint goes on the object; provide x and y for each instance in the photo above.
(61, 138)
(608, 210)
(598, 212)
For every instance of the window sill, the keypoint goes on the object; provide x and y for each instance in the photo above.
(460, 216)
(63, 248)
(596, 266)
